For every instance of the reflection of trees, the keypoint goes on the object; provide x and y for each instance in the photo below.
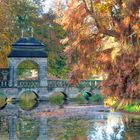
(68, 129)
(3, 128)
(110, 129)
(112, 136)
(132, 127)
(27, 129)
(28, 105)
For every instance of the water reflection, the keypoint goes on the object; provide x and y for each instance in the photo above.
(27, 129)
(43, 128)
(111, 129)
(2, 101)
(17, 124)
(12, 128)
(28, 105)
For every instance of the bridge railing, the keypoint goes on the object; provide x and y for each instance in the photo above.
(28, 83)
(4, 84)
(64, 83)
(4, 77)
(89, 83)
(57, 83)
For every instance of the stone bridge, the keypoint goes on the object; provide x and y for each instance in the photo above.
(28, 49)
(52, 86)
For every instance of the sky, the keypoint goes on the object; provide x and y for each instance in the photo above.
(47, 5)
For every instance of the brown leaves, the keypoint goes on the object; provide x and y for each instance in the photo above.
(123, 77)
(133, 5)
(87, 27)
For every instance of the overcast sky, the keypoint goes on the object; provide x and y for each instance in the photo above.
(47, 5)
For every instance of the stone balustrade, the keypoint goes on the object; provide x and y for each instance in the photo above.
(28, 83)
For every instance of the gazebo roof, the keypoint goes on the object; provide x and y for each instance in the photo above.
(28, 47)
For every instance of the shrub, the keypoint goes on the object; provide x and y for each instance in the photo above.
(56, 98)
(80, 99)
(96, 98)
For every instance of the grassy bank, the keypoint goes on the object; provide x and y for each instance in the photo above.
(133, 107)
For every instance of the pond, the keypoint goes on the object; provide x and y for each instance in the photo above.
(45, 122)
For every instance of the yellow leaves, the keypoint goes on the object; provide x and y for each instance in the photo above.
(124, 5)
(110, 101)
(103, 6)
(136, 28)
(109, 42)
(4, 51)
(114, 54)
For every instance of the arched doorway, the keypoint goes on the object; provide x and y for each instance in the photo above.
(28, 70)
(27, 74)
(28, 52)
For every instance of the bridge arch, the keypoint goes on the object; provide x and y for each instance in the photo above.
(32, 60)
(3, 101)
(28, 100)
(34, 91)
(39, 63)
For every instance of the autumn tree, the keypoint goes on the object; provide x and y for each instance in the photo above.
(19, 17)
(90, 24)
(15, 16)
(5, 32)
(50, 33)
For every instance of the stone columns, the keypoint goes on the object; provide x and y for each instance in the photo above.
(11, 82)
(43, 72)
(42, 75)
(15, 76)
(13, 68)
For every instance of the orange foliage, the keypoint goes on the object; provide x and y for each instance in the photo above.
(87, 25)
(123, 78)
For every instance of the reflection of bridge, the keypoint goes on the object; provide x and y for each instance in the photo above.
(14, 121)
(12, 133)
(30, 49)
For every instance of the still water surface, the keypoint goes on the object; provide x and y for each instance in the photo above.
(18, 122)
